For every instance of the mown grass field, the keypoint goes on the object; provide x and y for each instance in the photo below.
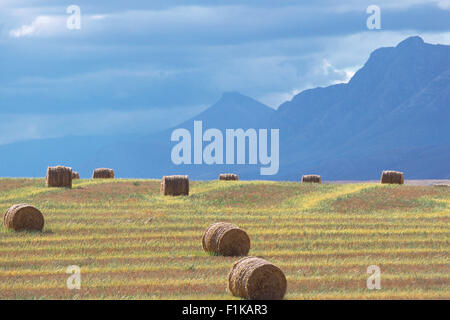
(132, 243)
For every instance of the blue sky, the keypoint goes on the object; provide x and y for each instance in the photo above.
(138, 66)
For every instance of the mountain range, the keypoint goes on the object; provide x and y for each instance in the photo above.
(393, 114)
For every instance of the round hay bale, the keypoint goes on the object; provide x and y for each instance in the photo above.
(228, 177)
(103, 173)
(226, 239)
(256, 279)
(23, 217)
(75, 175)
(392, 177)
(59, 177)
(175, 185)
(312, 178)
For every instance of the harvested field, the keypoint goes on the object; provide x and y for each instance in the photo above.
(133, 243)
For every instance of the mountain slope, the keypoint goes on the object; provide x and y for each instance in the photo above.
(328, 116)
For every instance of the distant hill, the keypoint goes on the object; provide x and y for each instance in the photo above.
(233, 110)
(150, 156)
(31, 158)
(393, 114)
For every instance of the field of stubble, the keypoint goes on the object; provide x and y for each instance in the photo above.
(132, 243)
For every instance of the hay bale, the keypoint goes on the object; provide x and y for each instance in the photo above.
(392, 177)
(59, 177)
(226, 239)
(103, 173)
(256, 279)
(23, 217)
(75, 175)
(228, 176)
(175, 185)
(312, 178)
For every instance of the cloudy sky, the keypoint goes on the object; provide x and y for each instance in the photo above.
(137, 66)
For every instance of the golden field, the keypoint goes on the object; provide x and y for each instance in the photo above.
(133, 243)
